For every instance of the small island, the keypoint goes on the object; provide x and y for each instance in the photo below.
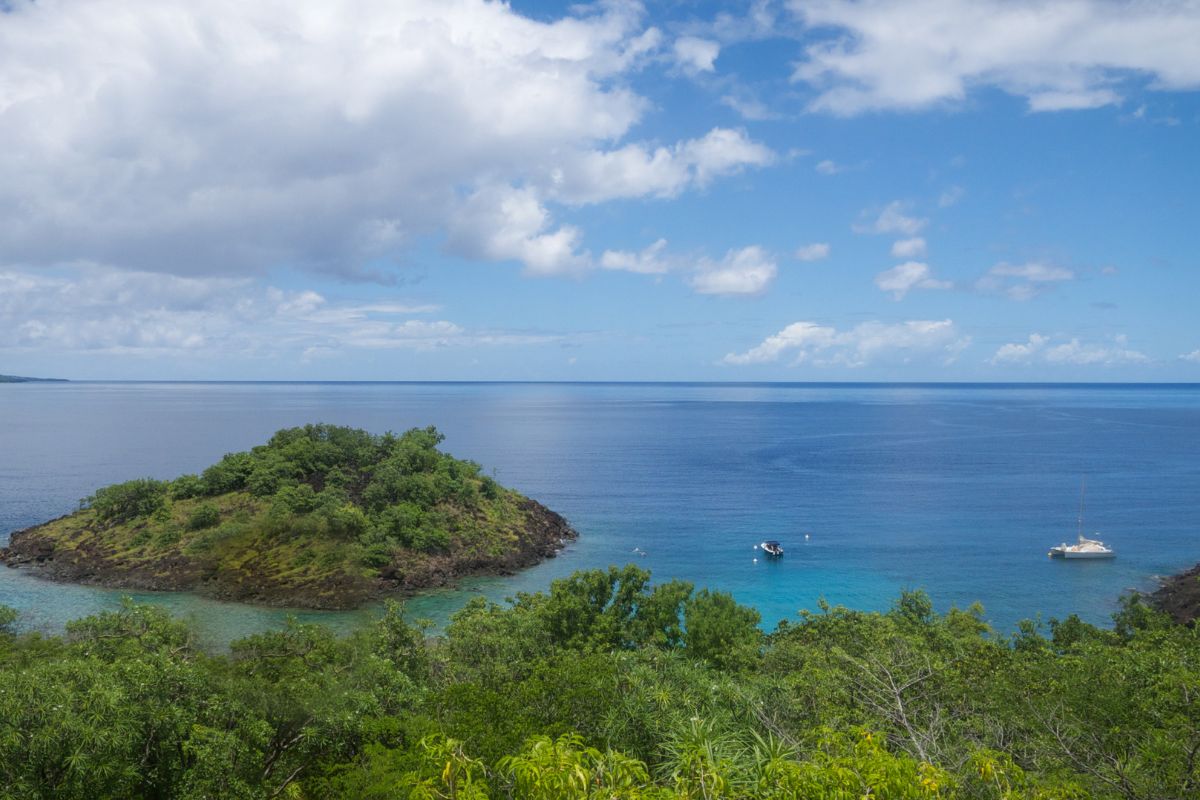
(320, 516)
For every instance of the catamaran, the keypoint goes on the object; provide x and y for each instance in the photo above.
(1084, 548)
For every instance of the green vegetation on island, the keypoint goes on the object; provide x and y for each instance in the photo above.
(608, 687)
(320, 516)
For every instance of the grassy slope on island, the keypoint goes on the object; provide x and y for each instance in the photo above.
(320, 516)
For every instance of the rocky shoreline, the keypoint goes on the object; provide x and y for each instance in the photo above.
(1179, 596)
(544, 535)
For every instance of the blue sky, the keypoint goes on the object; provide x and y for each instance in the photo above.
(965, 190)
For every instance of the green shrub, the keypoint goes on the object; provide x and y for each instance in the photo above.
(204, 516)
(125, 501)
(229, 474)
(8, 619)
(430, 540)
(299, 499)
(185, 487)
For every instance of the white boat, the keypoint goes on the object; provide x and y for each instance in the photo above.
(1084, 548)
(772, 548)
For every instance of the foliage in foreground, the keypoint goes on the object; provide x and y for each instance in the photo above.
(607, 687)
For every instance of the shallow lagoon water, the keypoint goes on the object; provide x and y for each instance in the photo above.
(958, 489)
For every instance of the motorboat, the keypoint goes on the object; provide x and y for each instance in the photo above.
(1084, 547)
(772, 548)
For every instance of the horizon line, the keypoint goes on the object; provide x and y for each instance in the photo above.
(615, 382)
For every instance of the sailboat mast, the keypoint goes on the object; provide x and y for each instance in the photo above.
(1082, 489)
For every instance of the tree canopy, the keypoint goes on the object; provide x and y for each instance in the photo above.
(608, 686)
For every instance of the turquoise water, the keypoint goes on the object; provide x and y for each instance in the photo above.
(956, 489)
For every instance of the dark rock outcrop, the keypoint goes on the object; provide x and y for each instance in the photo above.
(1179, 596)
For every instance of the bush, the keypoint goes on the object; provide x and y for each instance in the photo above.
(430, 540)
(205, 516)
(229, 474)
(720, 631)
(8, 619)
(129, 500)
(295, 500)
(185, 487)
(347, 520)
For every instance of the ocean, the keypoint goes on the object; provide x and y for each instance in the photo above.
(872, 488)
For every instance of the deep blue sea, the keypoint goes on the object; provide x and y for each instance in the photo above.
(872, 488)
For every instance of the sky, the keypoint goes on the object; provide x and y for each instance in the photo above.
(780, 190)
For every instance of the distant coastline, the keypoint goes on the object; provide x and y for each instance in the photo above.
(22, 379)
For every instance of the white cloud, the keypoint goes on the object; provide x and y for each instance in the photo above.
(101, 310)
(230, 137)
(1040, 348)
(903, 278)
(823, 345)
(1193, 356)
(1021, 351)
(635, 171)
(649, 261)
(893, 218)
(723, 152)
(909, 248)
(502, 223)
(1033, 271)
(1058, 54)
(828, 167)
(813, 252)
(694, 55)
(748, 107)
(951, 196)
(746, 271)
(1023, 281)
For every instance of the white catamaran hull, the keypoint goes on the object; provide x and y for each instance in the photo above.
(1082, 555)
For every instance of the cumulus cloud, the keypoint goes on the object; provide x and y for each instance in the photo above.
(748, 107)
(1023, 281)
(903, 278)
(229, 137)
(813, 252)
(746, 271)
(637, 171)
(694, 55)
(1057, 54)
(823, 345)
(1193, 356)
(894, 218)
(650, 261)
(502, 223)
(1041, 348)
(828, 167)
(909, 248)
(101, 310)
(1020, 351)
